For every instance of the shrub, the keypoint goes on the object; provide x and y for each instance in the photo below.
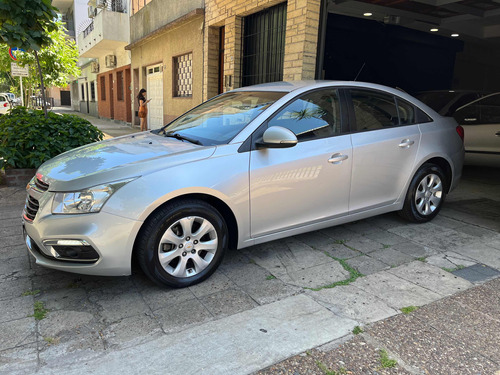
(28, 139)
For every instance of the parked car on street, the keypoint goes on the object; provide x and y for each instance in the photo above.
(446, 102)
(481, 122)
(252, 165)
(479, 114)
(4, 104)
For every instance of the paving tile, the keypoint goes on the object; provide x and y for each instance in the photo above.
(65, 299)
(482, 253)
(385, 238)
(132, 331)
(244, 273)
(289, 255)
(11, 230)
(121, 306)
(427, 348)
(157, 297)
(354, 303)
(450, 260)
(391, 257)
(415, 250)
(20, 360)
(215, 283)
(395, 291)
(17, 332)
(14, 268)
(477, 273)
(316, 276)
(16, 308)
(302, 364)
(180, 316)
(389, 221)
(367, 265)
(339, 233)
(268, 291)
(430, 277)
(57, 322)
(418, 232)
(362, 227)
(55, 280)
(343, 252)
(228, 302)
(363, 244)
(14, 288)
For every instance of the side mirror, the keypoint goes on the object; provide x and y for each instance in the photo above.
(277, 137)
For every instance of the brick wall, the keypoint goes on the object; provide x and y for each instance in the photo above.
(109, 105)
(18, 177)
(301, 39)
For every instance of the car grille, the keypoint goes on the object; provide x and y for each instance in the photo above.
(32, 205)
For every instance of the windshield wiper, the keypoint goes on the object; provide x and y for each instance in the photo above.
(183, 138)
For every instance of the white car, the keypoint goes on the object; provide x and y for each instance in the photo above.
(4, 104)
(481, 122)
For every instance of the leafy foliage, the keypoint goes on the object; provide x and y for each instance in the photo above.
(26, 23)
(58, 61)
(28, 139)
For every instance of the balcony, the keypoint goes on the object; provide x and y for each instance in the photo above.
(108, 31)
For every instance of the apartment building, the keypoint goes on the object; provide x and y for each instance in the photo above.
(166, 46)
(105, 82)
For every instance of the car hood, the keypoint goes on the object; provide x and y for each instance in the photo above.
(116, 159)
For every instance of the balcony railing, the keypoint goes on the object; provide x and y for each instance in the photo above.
(116, 6)
(88, 29)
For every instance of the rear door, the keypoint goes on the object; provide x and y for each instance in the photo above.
(384, 147)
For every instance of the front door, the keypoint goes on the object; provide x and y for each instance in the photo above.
(384, 148)
(155, 93)
(307, 183)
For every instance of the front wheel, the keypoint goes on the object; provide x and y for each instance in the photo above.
(182, 243)
(425, 195)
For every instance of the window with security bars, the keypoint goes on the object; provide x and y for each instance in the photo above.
(183, 75)
(264, 46)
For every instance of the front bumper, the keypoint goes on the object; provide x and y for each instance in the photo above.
(111, 236)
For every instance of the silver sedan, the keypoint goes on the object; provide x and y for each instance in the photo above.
(249, 166)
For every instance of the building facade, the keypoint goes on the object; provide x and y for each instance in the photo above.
(105, 82)
(167, 56)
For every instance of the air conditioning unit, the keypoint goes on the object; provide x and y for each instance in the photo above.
(101, 4)
(91, 12)
(94, 67)
(110, 61)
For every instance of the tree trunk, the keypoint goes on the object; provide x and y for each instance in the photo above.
(44, 104)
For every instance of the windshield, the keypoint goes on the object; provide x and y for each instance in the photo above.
(219, 120)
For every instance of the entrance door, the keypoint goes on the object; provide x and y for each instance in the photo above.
(155, 93)
(111, 98)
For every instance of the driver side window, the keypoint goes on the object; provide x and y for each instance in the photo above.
(314, 115)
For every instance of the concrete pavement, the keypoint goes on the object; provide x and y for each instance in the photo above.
(272, 301)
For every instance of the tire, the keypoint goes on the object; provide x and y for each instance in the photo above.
(426, 194)
(182, 243)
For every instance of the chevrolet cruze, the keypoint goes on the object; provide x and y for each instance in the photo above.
(252, 165)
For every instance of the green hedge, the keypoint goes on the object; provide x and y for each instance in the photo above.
(28, 139)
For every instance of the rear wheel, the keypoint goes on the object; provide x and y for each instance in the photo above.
(182, 243)
(425, 195)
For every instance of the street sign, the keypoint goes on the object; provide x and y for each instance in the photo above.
(17, 71)
(13, 51)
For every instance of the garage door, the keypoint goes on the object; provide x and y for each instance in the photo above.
(155, 93)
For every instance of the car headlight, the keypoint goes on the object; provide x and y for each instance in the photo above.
(85, 201)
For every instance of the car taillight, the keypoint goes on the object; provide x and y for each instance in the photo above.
(460, 132)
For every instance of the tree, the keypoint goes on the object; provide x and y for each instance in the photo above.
(26, 24)
(58, 61)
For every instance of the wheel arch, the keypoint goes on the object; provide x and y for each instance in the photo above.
(445, 166)
(218, 204)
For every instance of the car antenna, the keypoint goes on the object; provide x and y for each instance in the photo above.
(360, 71)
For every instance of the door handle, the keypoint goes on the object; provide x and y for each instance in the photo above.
(406, 143)
(497, 134)
(337, 158)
